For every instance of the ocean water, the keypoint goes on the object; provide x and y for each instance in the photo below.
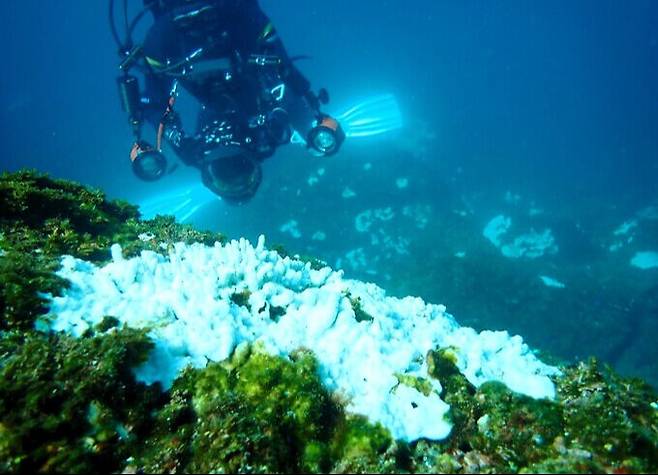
(544, 113)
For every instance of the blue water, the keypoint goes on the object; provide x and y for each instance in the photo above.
(553, 104)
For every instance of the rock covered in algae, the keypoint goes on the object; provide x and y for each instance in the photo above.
(42, 218)
(73, 405)
(259, 413)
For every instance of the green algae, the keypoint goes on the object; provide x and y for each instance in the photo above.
(274, 401)
(260, 413)
(313, 262)
(241, 298)
(70, 405)
(24, 277)
(42, 219)
(455, 390)
(360, 314)
(422, 385)
(609, 415)
(599, 422)
(361, 447)
(62, 217)
(73, 405)
(277, 312)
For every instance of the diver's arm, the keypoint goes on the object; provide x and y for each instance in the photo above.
(302, 106)
(158, 111)
(260, 37)
(162, 42)
(155, 98)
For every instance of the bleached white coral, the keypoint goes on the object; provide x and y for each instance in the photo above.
(530, 245)
(184, 298)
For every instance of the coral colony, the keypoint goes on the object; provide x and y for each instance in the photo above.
(186, 299)
(529, 245)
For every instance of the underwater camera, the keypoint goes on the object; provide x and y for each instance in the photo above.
(233, 178)
(148, 163)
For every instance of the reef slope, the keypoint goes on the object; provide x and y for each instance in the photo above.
(75, 401)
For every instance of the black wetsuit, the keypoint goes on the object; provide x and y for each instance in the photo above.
(213, 48)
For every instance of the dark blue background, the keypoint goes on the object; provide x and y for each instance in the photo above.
(561, 93)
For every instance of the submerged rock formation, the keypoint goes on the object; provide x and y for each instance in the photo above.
(104, 367)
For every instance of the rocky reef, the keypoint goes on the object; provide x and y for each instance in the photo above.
(73, 404)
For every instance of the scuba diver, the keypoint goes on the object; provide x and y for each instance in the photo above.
(227, 55)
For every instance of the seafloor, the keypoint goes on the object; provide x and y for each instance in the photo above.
(73, 404)
(415, 226)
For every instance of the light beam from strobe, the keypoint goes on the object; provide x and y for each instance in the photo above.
(182, 202)
(373, 116)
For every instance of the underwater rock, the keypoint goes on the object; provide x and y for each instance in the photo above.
(272, 401)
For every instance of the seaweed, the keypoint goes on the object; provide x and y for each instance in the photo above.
(259, 413)
(599, 422)
(71, 405)
(314, 262)
(42, 219)
(359, 314)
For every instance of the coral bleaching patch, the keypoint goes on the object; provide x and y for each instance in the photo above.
(551, 282)
(645, 260)
(530, 245)
(188, 301)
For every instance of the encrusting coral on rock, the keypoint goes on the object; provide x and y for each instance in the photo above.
(98, 389)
